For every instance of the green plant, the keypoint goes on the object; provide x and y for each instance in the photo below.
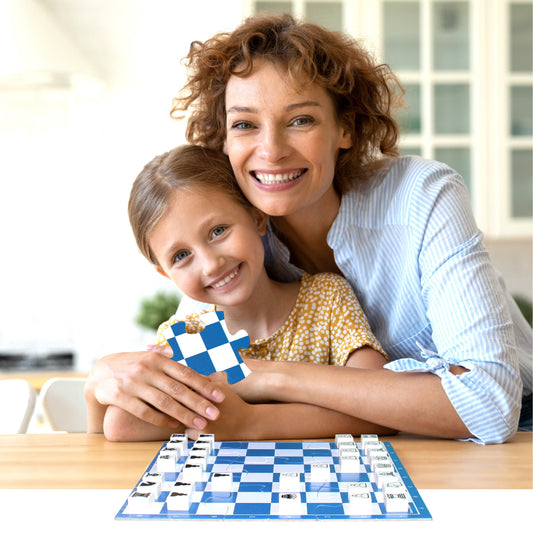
(154, 310)
(525, 306)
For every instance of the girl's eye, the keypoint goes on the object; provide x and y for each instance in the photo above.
(219, 230)
(181, 255)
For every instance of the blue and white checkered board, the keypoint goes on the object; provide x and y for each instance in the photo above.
(256, 467)
(213, 349)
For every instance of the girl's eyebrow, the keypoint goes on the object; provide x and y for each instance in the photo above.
(291, 107)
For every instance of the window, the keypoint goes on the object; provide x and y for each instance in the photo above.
(466, 66)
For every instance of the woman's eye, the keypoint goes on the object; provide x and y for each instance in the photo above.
(303, 121)
(242, 126)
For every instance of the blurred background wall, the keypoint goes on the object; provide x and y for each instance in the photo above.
(85, 93)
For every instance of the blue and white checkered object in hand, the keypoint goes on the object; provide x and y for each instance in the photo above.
(213, 349)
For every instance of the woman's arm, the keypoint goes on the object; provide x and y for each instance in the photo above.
(362, 389)
(152, 388)
(240, 420)
(411, 402)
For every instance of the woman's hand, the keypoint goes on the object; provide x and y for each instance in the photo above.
(152, 387)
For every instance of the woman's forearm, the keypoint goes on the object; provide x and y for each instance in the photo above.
(304, 421)
(411, 402)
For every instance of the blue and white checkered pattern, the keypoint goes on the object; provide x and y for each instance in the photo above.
(213, 349)
(256, 468)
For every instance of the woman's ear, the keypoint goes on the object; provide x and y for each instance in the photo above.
(346, 122)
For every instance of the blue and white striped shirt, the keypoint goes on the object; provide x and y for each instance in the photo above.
(411, 250)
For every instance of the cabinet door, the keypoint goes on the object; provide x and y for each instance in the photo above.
(466, 66)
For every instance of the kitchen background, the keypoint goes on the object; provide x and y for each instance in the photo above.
(85, 94)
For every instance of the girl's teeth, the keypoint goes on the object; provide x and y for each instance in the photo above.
(226, 280)
(270, 179)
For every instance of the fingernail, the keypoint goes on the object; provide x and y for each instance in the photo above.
(199, 423)
(212, 412)
(218, 396)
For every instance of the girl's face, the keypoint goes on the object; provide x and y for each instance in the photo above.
(282, 141)
(210, 246)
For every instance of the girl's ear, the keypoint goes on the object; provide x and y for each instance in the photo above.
(161, 271)
(260, 220)
(225, 147)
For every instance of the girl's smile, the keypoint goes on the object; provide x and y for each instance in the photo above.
(210, 246)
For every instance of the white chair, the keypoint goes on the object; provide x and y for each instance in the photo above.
(63, 404)
(17, 398)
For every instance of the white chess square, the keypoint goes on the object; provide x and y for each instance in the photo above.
(396, 503)
(222, 482)
(290, 503)
(253, 497)
(178, 501)
(360, 503)
(351, 464)
(192, 472)
(289, 482)
(223, 357)
(191, 344)
(320, 473)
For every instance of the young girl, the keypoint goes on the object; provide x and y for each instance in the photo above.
(192, 222)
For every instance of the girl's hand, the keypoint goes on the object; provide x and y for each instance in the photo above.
(153, 388)
(236, 420)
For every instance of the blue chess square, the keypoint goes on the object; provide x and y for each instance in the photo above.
(212, 335)
(212, 349)
(202, 363)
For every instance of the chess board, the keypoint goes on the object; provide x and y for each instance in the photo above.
(341, 479)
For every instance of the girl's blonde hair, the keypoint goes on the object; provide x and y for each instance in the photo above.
(182, 168)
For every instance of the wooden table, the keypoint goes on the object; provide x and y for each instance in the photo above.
(81, 461)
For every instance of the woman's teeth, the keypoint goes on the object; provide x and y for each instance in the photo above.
(225, 281)
(271, 179)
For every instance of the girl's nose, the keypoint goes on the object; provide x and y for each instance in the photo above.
(211, 262)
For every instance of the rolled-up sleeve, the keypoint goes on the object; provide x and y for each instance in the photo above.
(467, 311)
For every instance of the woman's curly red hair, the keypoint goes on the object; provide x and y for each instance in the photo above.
(365, 94)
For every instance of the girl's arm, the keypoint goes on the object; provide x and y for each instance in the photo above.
(121, 426)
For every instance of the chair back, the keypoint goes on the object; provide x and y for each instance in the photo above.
(17, 398)
(63, 404)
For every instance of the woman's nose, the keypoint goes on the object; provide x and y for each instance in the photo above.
(273, 145)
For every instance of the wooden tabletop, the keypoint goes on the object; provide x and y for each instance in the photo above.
(82, 461)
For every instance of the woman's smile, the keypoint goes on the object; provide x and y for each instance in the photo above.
(282, 140)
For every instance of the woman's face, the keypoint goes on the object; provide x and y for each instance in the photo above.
(282, 140)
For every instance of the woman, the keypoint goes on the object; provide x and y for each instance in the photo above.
(305, 116)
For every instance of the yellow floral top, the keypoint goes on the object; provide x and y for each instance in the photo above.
(325, 325)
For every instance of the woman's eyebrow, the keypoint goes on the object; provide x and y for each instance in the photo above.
(307, 103)
(241, 109)
(290, 107)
